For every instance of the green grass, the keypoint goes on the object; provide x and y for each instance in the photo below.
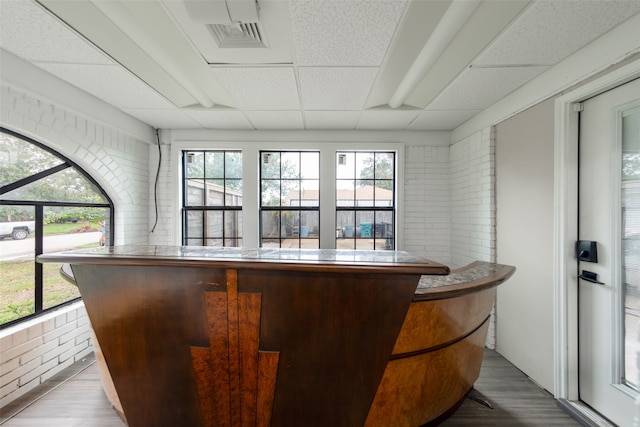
(70, 228)
(17, 288)
(17, 284)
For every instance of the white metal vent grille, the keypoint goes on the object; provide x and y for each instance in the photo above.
(238, 35)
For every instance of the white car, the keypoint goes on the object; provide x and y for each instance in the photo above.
(17, 230)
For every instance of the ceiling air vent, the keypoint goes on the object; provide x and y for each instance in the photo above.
(237, 35)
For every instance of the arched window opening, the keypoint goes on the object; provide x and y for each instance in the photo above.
(47, 204)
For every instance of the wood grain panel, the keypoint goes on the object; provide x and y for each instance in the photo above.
(216, 308)
(432, 323)
(232, 371)
(201, 357)
(249, 330)
(313, 346)
(268, 366)
(335, 333)
(146, 319)
(416, 390)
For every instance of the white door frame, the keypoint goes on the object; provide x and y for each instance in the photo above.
(566, 224)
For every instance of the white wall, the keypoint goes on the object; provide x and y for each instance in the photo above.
(427, 207)
(114, 157)
(530, 347)
(524, 165)
(472, 169)
(34, 351)
(112, 148)
(424, 224)
(472, 195)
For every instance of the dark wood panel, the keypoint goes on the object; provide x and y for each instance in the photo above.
(199, 342)
(146, 325)
(334, 334)
(333, 346)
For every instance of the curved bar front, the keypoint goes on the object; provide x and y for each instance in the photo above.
(438, 353)
(263, 337)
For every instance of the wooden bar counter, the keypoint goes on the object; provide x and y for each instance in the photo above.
(197, 336)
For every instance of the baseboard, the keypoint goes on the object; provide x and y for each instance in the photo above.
(583, 414)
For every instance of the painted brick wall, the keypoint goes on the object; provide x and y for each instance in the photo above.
(427, 208)
(119, 162)
(473, 205)
(165, 230)
(34, 351)
(472, 171)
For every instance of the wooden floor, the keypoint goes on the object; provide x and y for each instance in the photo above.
(75, 398)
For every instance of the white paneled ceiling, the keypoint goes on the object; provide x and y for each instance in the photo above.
(302, 64)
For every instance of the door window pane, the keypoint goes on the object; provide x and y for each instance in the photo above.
(631, 243)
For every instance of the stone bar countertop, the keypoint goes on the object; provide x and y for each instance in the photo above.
(476, 276)
(392, 262)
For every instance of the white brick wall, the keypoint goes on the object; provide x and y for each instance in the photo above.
(116, 160)
(472, 171)
(427, 207)
(164, 231)
(473, 205)
(34, 351)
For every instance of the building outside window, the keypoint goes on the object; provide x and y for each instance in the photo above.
(365, 200)
(47, 204)
(212, 198)
(290, 199)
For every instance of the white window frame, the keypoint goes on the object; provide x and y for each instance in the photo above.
(251, 182)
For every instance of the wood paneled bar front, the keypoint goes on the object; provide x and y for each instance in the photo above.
(200, 336)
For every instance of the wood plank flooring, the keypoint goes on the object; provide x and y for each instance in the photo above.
(75, 398)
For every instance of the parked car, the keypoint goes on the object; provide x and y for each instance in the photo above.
(17, 230)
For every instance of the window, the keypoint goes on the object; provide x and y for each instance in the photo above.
(365, 200)
(212, 198)
(290, 199)
(283, 194)
(47, 204)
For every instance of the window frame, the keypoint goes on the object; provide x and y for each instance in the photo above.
(209, 208)
(251, 144)
(39, 207)
(355, 208)
(280, 208)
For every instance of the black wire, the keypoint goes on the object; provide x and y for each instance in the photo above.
(155, 189)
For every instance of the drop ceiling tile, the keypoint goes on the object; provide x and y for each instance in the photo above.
(386, 119)
(170, 118)
(111, 83)
(343, 32)
(441, 120)
(276, 120)
(478, 88)
(560, 28)
(219, 119)
(29, 31)
(343, 120)
(329, 88)
(262, 88)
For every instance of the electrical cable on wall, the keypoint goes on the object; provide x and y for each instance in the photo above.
(155, 188)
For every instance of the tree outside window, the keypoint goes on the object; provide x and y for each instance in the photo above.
(47, 204)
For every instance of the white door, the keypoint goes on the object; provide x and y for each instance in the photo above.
(609, 214)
